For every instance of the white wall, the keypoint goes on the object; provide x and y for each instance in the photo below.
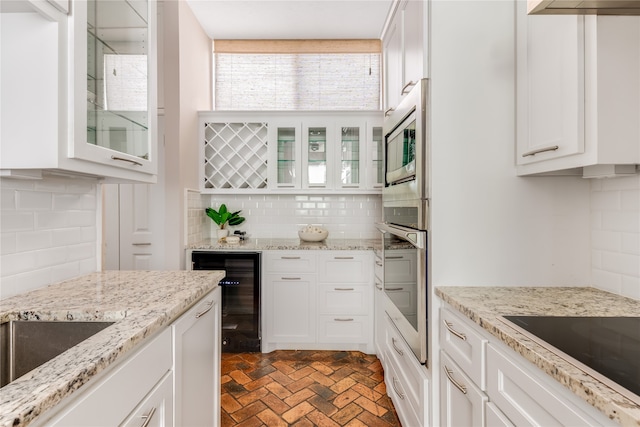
(490, 227)
(281, 216)
(49, 232)
(187, 89)
(615, 235)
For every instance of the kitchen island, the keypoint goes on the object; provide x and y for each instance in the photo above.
(486, 306)
(141, 303)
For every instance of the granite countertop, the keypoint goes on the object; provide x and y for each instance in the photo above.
(485, 306)
(140, 302)
(269, 244)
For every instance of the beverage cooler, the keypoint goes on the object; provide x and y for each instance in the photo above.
(240, 296)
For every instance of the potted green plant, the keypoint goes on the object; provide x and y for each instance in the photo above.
(223, 217)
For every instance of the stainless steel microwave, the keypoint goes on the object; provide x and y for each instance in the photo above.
(406, 154)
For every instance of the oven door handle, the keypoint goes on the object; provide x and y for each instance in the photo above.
(417, 238)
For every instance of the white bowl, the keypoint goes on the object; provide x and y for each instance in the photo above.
(313, 237)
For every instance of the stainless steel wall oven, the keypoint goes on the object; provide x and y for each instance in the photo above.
(405, 226)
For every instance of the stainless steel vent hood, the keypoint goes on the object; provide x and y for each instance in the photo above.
(583, 7)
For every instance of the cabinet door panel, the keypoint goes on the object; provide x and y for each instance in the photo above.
(197, 353)
(392, 63)
(156, 410)
(291, 308)
(462, 403)
(414, 27)
(550, 91)
(347, 267)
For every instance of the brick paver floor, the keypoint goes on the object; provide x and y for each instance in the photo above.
(305, 388)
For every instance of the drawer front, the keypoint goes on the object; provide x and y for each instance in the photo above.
(336, 299)
(461, 402)
(396, 391)
(289, 262)
(464, 345)
(344, 329)
(495, 417)
(344, 267)
(412, 372)
(377, 269)
(526, 397)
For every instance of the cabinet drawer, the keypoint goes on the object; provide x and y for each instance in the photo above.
(413, 374)
(396, 390)
(348, 299)
(377, 269)
(289, 262)
(527, 398)
(344, 267)
(462, 403)
(465, 346)
(147, 366)
(344, 329)
(495, 418)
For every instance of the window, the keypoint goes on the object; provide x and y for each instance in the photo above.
(296, 78)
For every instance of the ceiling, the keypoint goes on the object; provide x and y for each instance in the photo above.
(291, 19)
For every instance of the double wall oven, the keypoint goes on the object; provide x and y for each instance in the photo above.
(405, 226)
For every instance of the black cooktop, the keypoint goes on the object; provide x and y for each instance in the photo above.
(608, 345)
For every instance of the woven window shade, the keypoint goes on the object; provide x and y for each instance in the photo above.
(259, 76)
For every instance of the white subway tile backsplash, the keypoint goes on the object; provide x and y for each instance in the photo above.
(49, 231)
(615, 235)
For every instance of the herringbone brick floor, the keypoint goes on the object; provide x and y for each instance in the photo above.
(304, 388)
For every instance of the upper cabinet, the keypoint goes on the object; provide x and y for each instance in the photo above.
(577, 94)
(291, 151)
(79, 90)
(405, 56)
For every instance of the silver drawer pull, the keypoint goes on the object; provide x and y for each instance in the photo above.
(540, 150)
(290, 278)
(342, 257)
(407, 86)
(343, 320)
(203, 312)
(388, 112)
(449, 327)
(395, 347)
(395, 388)
(378, 263)
(122, 159)
(343, 289)
(141, 244)
(394, 289)
(147, 418)
(289, 257)
(378, 285)
(394, 257)
(459, 386)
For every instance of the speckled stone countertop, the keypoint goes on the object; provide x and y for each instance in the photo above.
(485, 306)
(267, 244)
(141, 303)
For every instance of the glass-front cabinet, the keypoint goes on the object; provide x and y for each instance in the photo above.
(315, 159)
(114, 96)
(307, 151)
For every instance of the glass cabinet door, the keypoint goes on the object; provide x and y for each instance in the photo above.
(317, 156)
(117, 75)
(286, 141)
(350, 156)
(376, 156)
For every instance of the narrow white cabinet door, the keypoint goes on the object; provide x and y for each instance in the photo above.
(290, 308)
(550, 89)
(317, 154)
(392, 63)
(197, 363)
(156, 410)
(414, 29)
(461, 402)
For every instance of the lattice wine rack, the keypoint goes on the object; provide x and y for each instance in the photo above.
(235, 155)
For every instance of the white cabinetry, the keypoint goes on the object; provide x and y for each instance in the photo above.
(577, 103)
(406, 379)
(156, 410)
(55, 112)
(124, 387)
(317, 300)
(197, 363)
(483, 383)
(404, 53)
(379, 313)
(286, 152)
(462, 376)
